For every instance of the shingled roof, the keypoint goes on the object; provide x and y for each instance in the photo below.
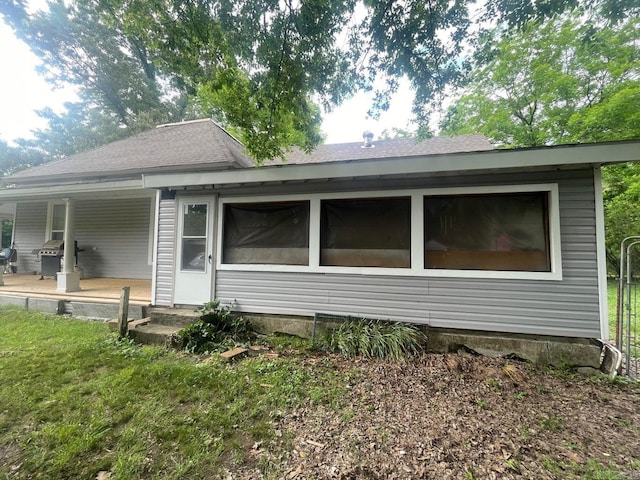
(173, 147)
(203, 145)
(393, 148)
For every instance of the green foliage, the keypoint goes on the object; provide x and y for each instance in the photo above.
(562, 81)
(217, 329)
(377, 339)
(263, 68)
(18, 157)
(621, 196)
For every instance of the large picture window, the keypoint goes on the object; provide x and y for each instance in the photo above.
(266, 233)
(503, 232)
(371, 232)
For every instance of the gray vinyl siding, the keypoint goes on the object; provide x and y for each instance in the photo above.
(114, 234)
(166, 251)
(115, 237)
(565, 308)
(29, 234)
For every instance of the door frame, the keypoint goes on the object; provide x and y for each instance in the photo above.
(180, 275)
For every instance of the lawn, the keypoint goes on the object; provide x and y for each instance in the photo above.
(75, 403)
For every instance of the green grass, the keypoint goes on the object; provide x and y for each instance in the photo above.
(612, 300)
(75, 401)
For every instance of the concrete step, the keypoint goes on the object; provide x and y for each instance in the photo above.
(154, 334)
(172, 316)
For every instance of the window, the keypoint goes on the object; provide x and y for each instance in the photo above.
(371, 232)
(194, 237)
(266, 233)
(500, 232)
(55, 226)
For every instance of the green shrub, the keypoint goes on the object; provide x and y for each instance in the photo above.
(216, 330)
(377, 339)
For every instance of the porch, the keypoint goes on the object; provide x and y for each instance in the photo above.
(97, 290)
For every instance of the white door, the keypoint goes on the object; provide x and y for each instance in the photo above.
(194, 253)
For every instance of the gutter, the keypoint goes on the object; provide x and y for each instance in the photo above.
(493, 160)
(92, 190)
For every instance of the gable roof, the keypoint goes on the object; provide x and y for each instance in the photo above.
(182, 146)
(392, 148)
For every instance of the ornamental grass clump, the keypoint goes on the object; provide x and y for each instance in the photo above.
(216, 330)
(377, 339)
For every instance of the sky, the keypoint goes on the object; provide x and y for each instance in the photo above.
(23, 90)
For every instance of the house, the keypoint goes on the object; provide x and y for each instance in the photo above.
(447, 232)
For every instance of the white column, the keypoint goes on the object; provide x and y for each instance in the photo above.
(69, 280)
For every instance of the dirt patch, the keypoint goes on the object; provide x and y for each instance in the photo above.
(458, 416)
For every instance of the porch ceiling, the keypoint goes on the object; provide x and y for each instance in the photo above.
(105, 290)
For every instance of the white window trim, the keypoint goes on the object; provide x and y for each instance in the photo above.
(48, 230)
(417, 233)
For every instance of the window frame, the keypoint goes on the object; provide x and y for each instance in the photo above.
(50, 210)
(221, 215)
(417, 233)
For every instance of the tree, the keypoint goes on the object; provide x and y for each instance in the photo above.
(562, 81)
(565, 81)
(261, 66)
(21, 156)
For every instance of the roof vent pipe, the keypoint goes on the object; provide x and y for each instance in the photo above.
(368, 139)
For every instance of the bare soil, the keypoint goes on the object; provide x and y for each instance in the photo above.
(457, 416)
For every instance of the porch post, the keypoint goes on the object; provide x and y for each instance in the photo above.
(69, 280)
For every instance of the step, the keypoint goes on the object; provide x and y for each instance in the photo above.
(132, 324)
(172, 316)
(154, 334)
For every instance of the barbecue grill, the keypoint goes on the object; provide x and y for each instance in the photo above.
(50, 255)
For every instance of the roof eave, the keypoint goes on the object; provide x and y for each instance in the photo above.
(116, 175)
(128, 187)
(492, 160)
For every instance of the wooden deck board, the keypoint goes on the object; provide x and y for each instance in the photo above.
(94, 289)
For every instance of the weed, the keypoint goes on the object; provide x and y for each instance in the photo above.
(521, 395)
(289, 343)
(377, 339)
(552, 424)
(512, 464)
(481, 404)
(217, 329)
(494, 384)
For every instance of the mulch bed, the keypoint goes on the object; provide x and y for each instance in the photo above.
(456, 416)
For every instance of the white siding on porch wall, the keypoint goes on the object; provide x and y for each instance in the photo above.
(565, 308)
(29, 233)
(113, 232)
(166, 253)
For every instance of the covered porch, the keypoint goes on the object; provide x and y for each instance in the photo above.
(99, 290)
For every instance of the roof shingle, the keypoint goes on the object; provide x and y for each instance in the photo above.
(185, 145)
(202, 145)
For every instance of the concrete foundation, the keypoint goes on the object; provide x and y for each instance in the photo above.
(538, 349)
(46, 305)
(101, 311)
(17, 301)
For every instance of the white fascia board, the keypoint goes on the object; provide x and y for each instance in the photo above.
(129, 187)
(594, 154)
